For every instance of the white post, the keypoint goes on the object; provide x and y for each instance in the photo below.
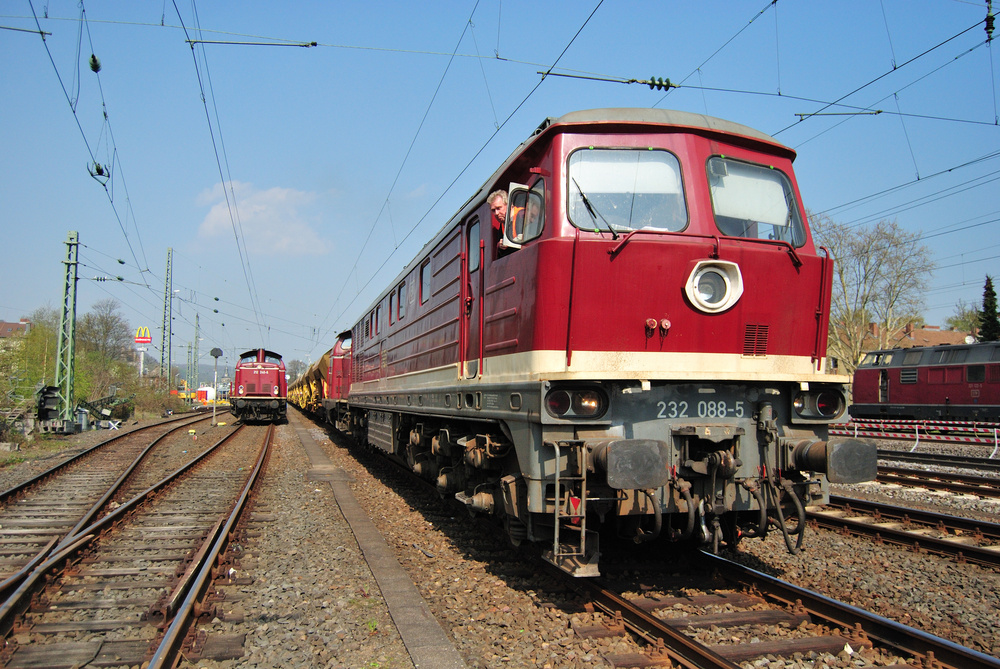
(216, 353)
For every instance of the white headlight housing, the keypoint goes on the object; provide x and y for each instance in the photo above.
(714, 286)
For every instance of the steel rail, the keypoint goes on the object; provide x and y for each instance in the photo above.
(13, 491)
(11, 583)
(958, 461)
(197, 588)
(19, 600)
(972, 485)
(941, 521)
(908, 537)
(679, 647)
(889, 633)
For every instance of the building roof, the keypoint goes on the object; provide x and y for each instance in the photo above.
(929, 335)
(8, 330)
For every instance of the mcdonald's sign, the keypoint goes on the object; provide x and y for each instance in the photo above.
(142, 336)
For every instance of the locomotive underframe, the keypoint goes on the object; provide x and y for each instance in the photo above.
(969, 412)
(654, 463)
(258, 409)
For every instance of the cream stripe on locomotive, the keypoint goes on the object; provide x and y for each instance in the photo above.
(598, 366)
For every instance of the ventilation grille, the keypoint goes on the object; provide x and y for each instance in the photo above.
(251, 387)
(908, 375)
(755, 340)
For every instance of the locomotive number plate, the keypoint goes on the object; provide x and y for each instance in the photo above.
(701, 408)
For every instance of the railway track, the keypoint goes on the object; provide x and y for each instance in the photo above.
(941, 460)
(959, 484)
(123, 589)
(962, 538)
(40, 513)
(710, 623)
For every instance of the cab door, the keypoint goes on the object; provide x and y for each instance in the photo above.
(472, 312)
(883, 386)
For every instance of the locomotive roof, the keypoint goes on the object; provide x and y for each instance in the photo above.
(646, 115)
(255, 351)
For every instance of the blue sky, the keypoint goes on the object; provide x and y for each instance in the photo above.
(341, 160)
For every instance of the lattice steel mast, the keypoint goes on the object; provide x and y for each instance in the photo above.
(168, 317)
(66, 347)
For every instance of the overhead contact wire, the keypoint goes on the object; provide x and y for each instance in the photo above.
(222, 176)
(467, 166)
(79, 126)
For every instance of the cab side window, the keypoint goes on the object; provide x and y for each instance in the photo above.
(526, 214)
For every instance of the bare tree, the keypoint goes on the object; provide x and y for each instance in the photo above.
(879, 278)
(965, 318)
(105, 338)
(103, 330)
(294, 368)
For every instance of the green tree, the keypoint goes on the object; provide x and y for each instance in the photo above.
(989, 324)
(880, 274)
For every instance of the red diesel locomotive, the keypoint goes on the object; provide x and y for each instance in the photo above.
(260, 388)
(949, 382)
(637, 348)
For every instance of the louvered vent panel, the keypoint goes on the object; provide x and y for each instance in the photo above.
(251, 387)
(908, 375)
(755, 340)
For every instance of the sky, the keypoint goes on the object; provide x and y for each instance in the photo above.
(294, 182)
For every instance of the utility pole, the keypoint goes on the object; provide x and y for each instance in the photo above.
(168, 319)
(187, 370)
(66, 347)
(197, 333)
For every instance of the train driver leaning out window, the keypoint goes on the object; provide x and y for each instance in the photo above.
(498, 206)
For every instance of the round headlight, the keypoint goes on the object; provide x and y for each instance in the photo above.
(711, 287)
(239, 390)
(714, 286)
(587, 403)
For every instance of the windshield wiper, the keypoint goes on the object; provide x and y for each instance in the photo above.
(593, 213)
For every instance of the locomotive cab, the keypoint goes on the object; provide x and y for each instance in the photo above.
(645, 347)
(260, 387)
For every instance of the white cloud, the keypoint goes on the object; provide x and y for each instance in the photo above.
(268, 220)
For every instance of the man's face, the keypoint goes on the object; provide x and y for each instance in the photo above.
(499, 208)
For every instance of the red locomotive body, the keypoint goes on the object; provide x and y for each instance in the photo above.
(260, 387)
(952, 382)
(639, 344)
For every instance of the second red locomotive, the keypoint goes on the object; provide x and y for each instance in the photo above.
(637, 346)
(260, 387)
(949, 382)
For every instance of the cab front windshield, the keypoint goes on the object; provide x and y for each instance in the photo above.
(753, 201)
(625, 189)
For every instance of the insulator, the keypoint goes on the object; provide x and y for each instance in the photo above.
(659, 83)
(95, 64)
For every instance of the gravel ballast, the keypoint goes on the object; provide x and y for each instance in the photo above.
(313, 601)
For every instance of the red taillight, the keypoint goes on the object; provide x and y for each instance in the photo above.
(558, 402)
(828, 404)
